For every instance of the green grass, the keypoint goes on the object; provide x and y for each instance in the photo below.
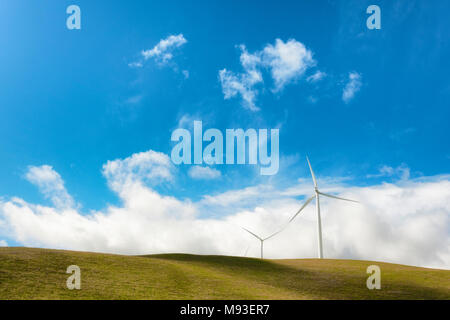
(27, 273)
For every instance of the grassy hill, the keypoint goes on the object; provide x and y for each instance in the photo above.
(27, 273)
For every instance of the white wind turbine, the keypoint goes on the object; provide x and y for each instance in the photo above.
(262, 239)
(316, 195)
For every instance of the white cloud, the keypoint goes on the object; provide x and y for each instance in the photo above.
(286, 62)
(402, 172)
(242, 84)
(352, 87)
(50, 184)
(140, 167)
(162, 52)
(406, 222)
(136, 64)
(3, 243)
(186, 120)
(317, 76)
(241, 198)
(207, 173)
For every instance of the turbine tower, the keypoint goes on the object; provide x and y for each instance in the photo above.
(262, 239)
(316, 195)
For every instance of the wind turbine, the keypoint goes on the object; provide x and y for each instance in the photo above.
(245, 254)
(316, 195)
(262, 239)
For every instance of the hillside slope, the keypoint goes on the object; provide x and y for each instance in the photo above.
(27, 273)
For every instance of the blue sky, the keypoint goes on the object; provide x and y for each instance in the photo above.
(70, 100)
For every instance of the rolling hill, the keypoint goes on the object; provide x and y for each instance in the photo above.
(27, 273)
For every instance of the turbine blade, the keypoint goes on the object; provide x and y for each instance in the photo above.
(274, 234)
(252, 233)
(330, 196)
(302, 207)
(312, 173)
(286, 225)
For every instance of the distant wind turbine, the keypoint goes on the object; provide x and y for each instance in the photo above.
(262, 239)
(245, 254)
(316, 195)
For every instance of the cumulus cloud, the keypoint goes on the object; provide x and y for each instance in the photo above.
(286, 61)
(50, 184)
(3, 243)
(241, 199)
(352, 87)
(404, 222)
(206, 173)
(149, 166)
(162, 52)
